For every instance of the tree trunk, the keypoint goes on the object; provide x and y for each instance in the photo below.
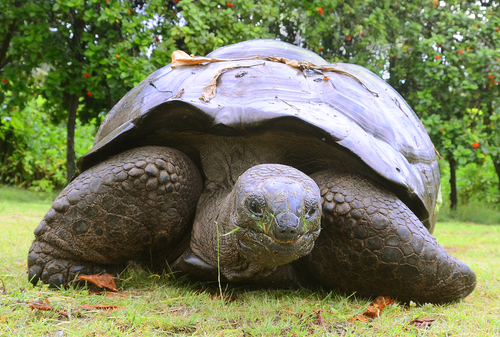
(496, 163)
(453, 182)
(70, 139)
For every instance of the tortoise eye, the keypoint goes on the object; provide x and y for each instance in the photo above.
(254, 207)
(311, 212)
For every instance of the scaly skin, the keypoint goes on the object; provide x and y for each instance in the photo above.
(137, 205)
(372, 244)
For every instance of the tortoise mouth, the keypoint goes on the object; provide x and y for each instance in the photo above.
(264, 250)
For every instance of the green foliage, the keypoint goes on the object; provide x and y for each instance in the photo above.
(477, 183)
(442, 56)
(36, 157)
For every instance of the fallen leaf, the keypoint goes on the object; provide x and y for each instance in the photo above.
(99, 307)
(45, 306)
(109, 294)
(101, 280)
(179, 93)
(374, 309)
(302, 65)
(180, 58)
(319, 319)
(210, 90)
(422, 322)
(276, 320)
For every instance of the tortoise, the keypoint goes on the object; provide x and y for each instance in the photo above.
(266, 164)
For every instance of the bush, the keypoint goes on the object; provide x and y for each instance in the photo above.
(34, 149)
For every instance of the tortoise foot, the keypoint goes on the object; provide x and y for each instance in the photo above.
(372, 244)
(45, 265)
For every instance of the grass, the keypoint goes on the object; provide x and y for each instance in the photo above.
(159, 305)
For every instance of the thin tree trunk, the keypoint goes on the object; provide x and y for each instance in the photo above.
(70, 140)
(496, 163)
(453, 182)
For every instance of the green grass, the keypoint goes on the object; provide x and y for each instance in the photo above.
(474, 212)
(160, 305)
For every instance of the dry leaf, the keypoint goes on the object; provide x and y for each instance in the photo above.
(45, 306)
(180, 58)
(374, 309)
(101, 280)
(99, 307)
(210, 90)
(319, 319)
(422, 322)
(308, 65)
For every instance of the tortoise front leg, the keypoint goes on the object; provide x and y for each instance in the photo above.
(138, 205)
(372, 244)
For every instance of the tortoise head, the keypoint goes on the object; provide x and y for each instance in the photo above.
(277, 214)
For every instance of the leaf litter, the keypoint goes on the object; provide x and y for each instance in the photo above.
(180, 58)
(374, 309)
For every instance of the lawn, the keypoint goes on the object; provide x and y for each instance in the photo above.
(159, 305)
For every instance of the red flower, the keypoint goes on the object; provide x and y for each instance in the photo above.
(320, 10)
(157, 40)
(89, 94)
(468, 48)
(438, 57)
(460, 52)
(475, 145)
(361, 32)
(348, 38)
(86, 75)
(497, 30)
(117, 56)
(5, 80)
(230, 5)
(107, 0)
(490, 76)
(435, 2)
(128, 10)
(320, 48)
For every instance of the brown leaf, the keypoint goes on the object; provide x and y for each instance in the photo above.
(308, 65)
(422, 322)
(319, 319)
(276, 320)
(210, 90)
(373, 310)
(180, 58)
(99, 307)
(101, 280)
(45, 306)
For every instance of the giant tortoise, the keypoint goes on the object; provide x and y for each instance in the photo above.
(266, 164)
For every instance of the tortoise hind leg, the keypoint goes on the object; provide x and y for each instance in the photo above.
(372, 244)
(137, 205)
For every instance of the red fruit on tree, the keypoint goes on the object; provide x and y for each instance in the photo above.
(86, 75)
(320, 10)
(497, 30)
(438, 57)
(348, 38)
(5, 80)
(320, 48)
(475, 145)
(435, 2)
(230, 5)
(460, 52)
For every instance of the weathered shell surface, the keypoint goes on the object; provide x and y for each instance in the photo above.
(380, 129)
